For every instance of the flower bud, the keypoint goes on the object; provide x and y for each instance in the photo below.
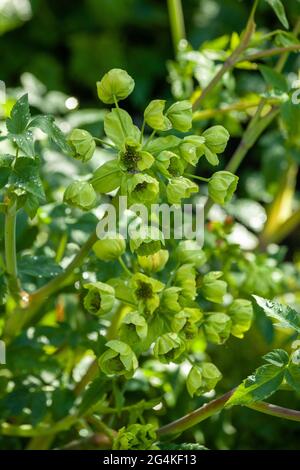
(141, 188)
(145, 292)
(135, 437)
(216, 138)
(154, 116)
(155, 262)
(115, 85)
(181, 115)
(180, 188)
(99, 299)
(111, 247)
(212, 288)
(203, 379)
(185, 278)
(221, 186)
(169, 301)
(241, 314)
(217, 327)
(119, 359)
(80, 194)
(168, 348)
(82, 144)
(189, 251)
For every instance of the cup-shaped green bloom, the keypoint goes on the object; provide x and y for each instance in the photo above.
(135, 437)
(134, 327)
(99, 299)
(192, 148)
(82, 144)
(216, 138)
(185, 278)
(154, 116)
(180, 188)
(189, 251)
(241, 314)
(186, 322)
(168, 348)
(213, 289)
(181, 115)
(145, 292)
(221, 186)
(169, 301)
(118, 359)
(111, 247)
(80, 194)
(132, 158)
(146, 241)
(202, 379)
(170, 164)
(155, 262)
(140, 188)
(217, 327)
(115, 85)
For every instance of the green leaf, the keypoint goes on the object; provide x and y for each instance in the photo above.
(19, 116)
(292, 376)
(5, 168)
(273, 78)
(107, 177)
(277, 357)
(40, 267)
(31, 205)
(285, 315)
(258, 386)
(279, 11)
(93, 394)
(24, 142)
(26, 176)
(48, 126)
(163, 143)
(118, 126)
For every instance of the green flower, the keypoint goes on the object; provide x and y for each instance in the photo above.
(132, 158)
(216, 138)
(185, 278)
(212, 288)
(180, 188)
(221, 186)
(134, 324)
(80, 194)
(169, 302)
(168, 348)
(217, 327)
(145, 291)
(111, 247)
(155, 262)
(82, 144)
(202, 379)
(99, 299)
(146, 241)
(181, 115)
(241, 314)
(154, 116)
(170, 164)
(135, 437)
(119, 359)
(189, 251)
(186, 321)
(141, 188)
(115, 85)
(192, 148)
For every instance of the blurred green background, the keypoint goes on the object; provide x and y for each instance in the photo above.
(68, 46)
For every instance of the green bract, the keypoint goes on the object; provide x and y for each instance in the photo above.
(186, 322)
(180, 188)
(115, 85)
(216, 138)
(140, 188)
(189, 251)
(111, 247)
(99, 299)
(170, 164)
(185, 278)
(169, 301)
(192, 148)
(145, 291)
(119, 359)
(134, 322)
(154, 262)
(241, 314)
(168, 347)
(217, 327)
(154, 116)
(181, 115)
(202, 379)
(146, 241)
(135, 437)
(80, 194)
(82, 144)
(212, 288)
(221, 186)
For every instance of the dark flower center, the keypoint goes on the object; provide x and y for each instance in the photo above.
(94, 301)
(144, 291)
(140, 186)
(130, 158)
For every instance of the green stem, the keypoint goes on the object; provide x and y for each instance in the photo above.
(150, 139)
(119, 116)
(200, 178)
(142, 131)
(127, 271)
(269, 53)
(10, 249)
(176, 22)
(103, 142)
